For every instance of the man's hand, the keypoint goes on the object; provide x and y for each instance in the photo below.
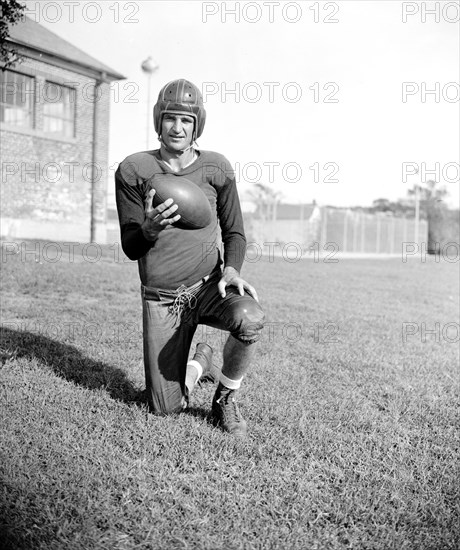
(231, 277)
(157, 219)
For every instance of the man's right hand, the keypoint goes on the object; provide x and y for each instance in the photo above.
(157, 219)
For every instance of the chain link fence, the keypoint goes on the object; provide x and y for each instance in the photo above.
(349, 231)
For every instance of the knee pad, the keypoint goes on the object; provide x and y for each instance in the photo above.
(247, 322)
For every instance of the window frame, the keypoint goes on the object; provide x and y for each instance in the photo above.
(49, 117)
(30, 100)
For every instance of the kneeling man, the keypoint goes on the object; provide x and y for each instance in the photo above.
(185, 282)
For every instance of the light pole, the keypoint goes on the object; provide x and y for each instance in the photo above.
(149, 66)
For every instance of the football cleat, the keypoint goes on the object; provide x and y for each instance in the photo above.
(226, 413)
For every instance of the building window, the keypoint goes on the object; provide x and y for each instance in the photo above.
(59, 109)
(17, 98)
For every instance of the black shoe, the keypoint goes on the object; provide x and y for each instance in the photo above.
(226, 413)
(203, 354)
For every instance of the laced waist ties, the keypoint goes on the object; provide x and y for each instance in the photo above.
(183, 297)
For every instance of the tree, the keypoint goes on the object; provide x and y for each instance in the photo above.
(11, 12)
(381, 205)
(432, 203)
(400, 208)
(266, 200)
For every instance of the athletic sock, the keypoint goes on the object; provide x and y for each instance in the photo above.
(229, 383)
(193, 374)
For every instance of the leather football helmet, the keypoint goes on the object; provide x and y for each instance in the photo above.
(180, 97)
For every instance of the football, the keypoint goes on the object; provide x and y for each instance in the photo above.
(193, 205)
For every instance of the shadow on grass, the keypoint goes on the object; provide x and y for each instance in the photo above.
(199, 412)
(69, 363)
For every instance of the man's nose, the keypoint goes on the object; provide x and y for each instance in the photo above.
(177, 127)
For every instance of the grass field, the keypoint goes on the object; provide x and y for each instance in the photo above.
(351, 404)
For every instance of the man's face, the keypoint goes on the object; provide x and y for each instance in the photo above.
(177, 131)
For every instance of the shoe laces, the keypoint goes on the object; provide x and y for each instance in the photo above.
(230, 406)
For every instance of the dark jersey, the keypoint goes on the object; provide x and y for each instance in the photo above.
(180, 256)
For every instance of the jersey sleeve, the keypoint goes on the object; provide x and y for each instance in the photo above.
(230, 216)
(129, 192)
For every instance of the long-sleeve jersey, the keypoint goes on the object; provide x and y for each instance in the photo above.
(180, 256)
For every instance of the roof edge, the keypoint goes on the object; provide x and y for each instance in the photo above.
(110, 74)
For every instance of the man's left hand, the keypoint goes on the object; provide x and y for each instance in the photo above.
(231, 277)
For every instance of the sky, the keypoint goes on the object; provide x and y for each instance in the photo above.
(325, 101)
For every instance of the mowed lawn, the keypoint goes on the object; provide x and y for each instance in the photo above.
(351, 403)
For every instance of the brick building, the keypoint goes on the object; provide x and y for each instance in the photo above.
(54, 125)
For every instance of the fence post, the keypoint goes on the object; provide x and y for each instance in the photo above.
(377, 238)
(355, 232)
(303, 239)
(417, 214)
(392, 234)
(345, 231)
(324, 228)
(362, 231)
